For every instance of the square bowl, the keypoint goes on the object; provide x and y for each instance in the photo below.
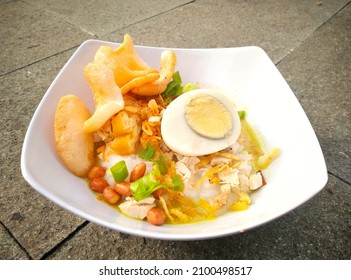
(251, 79)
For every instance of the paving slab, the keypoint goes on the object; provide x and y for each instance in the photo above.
(36, 223)
(102, 17)
(319, 72)
(94, 242)
(28, 34)
(316, 230)
(9, 248)
(276, 26)
(310, 41)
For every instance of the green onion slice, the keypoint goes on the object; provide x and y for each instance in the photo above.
(148, 153)
(119, 171)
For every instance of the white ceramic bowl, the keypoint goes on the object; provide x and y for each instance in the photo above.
(251, 79)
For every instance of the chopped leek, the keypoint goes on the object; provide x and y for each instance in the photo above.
(189, 87)
(177, 184)
(174, 88)
(176, 77)
(119, 171)
(161, 164)
(242, 114)
(148, 153)
(265, 160)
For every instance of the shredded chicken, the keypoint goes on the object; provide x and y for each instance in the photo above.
(190, 162)
(137, 209)
(221, 198)
(255, 181)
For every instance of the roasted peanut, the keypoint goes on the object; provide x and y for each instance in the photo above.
(123, 188)
(96, 171)
(98, 184)
(158, 193)
(111, 196)
(138, 172)
(156, 216)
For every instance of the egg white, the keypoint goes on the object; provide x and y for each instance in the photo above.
(180, 138)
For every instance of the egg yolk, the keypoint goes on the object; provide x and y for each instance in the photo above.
(208, 117)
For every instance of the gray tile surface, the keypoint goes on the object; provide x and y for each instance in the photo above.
(113, 245)
(319, 73)
(102, 17)
(28, 35)
(9, 248)
(276, 26)
(310, 42)
(34, 221)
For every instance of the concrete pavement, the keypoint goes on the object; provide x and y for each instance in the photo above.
(309, 41)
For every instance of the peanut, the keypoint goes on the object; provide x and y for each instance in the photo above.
(137, 172)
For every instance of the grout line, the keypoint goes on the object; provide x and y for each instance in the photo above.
(340, 178)
(62, 242)
(145, 19)
(16, 241)
(52, 55)
(34, 62)
(85, 31)
(58, 16)
(316, 30)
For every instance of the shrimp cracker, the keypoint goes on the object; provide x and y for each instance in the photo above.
(107, 95)
(74, 146)
(168, 64)
(126, 64)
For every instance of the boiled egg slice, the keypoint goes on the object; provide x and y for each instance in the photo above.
(200, 122)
